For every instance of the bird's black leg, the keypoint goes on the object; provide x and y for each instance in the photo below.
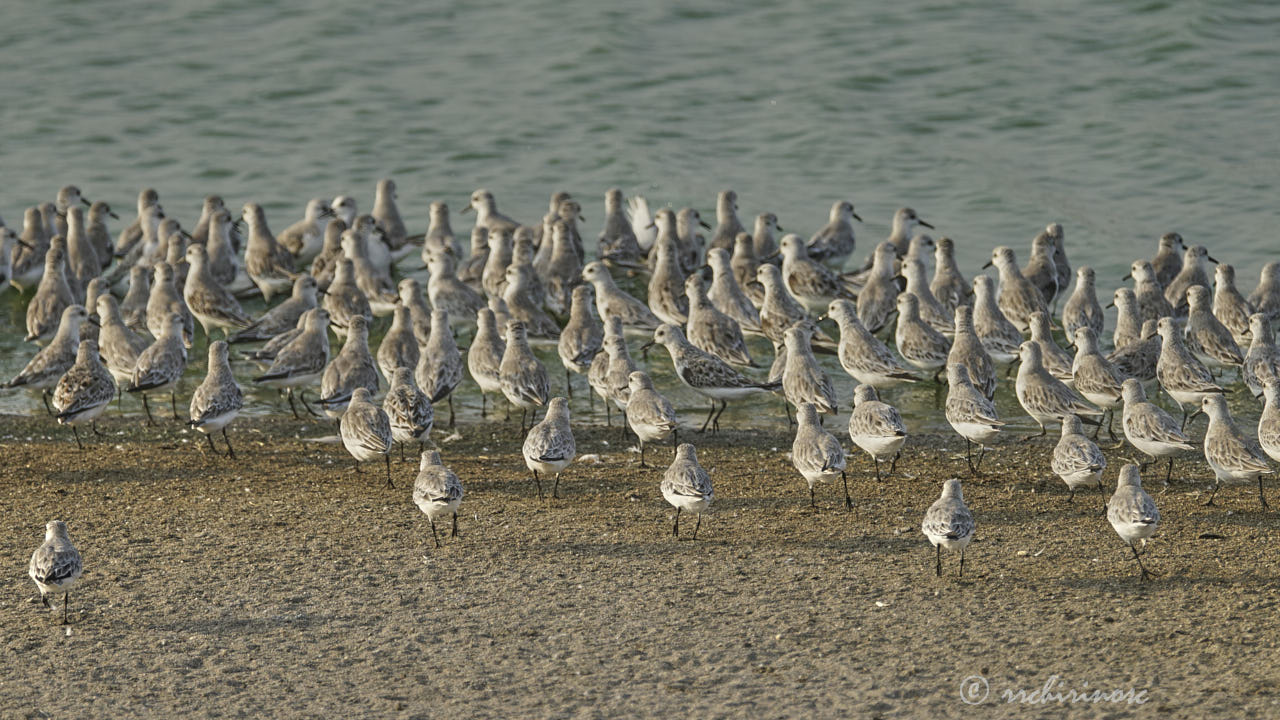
(147, 407)
(937, 553)
(451, 416)
(568, 384)
(454, 532)
(434, 537)
(707, 422)
(893, 467)
(538, 481)
(1214, 493)
(212, 448)
(227, 439)
(173, 403)
(77, 434)
(812, 502)
(848, 501)
(293, 407)
(555, 487)
(642, 454)
(303, 397)
(1261, 497)
(65, 602)
(961, 562)
(387, 457)
(675, 530)
(94, 424)
(696, 526)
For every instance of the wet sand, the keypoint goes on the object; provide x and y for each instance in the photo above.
(283, 584)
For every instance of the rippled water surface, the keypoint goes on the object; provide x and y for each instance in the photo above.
(1121, 120)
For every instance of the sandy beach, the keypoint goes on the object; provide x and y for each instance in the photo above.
(283, 584)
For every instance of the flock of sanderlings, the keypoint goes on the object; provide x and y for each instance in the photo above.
(119, 314)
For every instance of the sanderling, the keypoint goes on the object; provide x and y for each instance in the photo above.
(439, 235)
(486, 210)
(522, 253)
(666, 285)
(444, 288)
(1044, 397)
(374, 281)
(641, 222)
(1040, 270)
(598, 372)
(876, 427)
(96, 288)
(746, 267)
(1060, 261)
(1181, 375)
(1149, 428)
(305, 238)
(687, 487)
(1128, 323)
(1077, 460)
(53, 294)
(549, 447)
(611, 301)
(1229, 306)
(617, 241)
(1133, 513)
(501, 248)
(208, 207)
(522, 375)
(283, 317)
(878, 299)
(918, 343)
(803, 379)
(779, 310)
(966, 349)
(484, 356)
(160, 366)
(437, 492)
(471, 271)
(949, 285)
(96, 229)
(344, 300)
(920, 249)
(727, 295)
(408, 409)
(1082, 308)
(863, 355)
(582, 337)
(82, 260)
(1234, 456)
(165, 300)
(949, 524)
(54, 359)
(68, 198)
(28, 259)
(1206, 336)
(931, 311)
(727, 224)
(563, 271)
(84, 391)
(387, 214)
(351, 368)
(366, 431)
(816, 453)
(1000, 337)
(218, 400)
(1262, 361)
(905, 221)
(132, 233)
(1269, 422)
(970, 413)
(1017, 296)
(617, 375)
(119, 345)
(1056, 360)
(301, 362)
(650, 415)
(707, 374)
(56, 565)
(1138, 359)
(1266, 297)
(325, 264)
(835, 242)
(711, 329)
(211, 303)
(559, 199)
(1152, 304)
(1194, 271)
(808, 281)
(1168, 260)
(224, 264)
(523, 308)
(344, 208)
(439, 369)
(267, 263)
(1095, 378)
(762, 238)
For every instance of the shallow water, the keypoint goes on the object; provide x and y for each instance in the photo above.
(1120, 120)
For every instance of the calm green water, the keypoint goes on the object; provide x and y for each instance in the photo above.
(1121, 120)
